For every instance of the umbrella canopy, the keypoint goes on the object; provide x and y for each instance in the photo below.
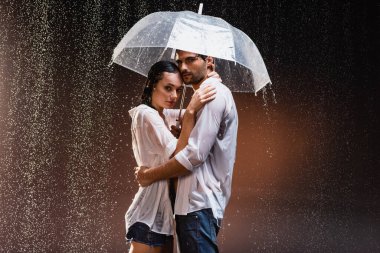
(157, 36)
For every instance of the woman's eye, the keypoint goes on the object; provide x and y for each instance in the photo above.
(168, 88)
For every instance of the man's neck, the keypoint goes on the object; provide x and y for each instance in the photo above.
(197, 85)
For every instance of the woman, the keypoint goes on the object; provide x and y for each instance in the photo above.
(149, 219)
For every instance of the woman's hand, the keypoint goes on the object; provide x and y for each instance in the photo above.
(200, 97)
(176, 131)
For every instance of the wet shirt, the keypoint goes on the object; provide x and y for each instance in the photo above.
(152, 144)
(210, 156)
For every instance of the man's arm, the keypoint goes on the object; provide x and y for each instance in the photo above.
(172, 168)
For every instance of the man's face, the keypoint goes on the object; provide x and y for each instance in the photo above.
(193, 68)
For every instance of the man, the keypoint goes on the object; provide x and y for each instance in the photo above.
(204, 167)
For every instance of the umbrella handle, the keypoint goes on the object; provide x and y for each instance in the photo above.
(181, 105)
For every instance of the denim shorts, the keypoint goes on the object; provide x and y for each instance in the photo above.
(140, 232)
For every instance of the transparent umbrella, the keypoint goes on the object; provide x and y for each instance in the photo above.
(157, 36)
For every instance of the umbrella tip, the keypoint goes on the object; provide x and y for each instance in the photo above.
(110, 63)
(200, 8)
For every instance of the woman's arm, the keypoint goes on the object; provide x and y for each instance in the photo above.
(146, 176)
(200, 97)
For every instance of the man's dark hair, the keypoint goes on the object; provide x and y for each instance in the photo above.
(203, 56)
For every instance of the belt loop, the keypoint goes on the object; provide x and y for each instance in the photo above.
(219, 222)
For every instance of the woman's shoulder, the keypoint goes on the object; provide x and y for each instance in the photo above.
(141, 110)
(143, 113)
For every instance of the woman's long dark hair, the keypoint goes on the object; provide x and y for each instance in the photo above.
(154, 76)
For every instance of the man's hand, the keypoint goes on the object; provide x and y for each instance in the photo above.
(141, 176)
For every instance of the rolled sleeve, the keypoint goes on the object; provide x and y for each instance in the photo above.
(181, 157)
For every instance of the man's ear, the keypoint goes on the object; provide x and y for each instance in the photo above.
(210, 63)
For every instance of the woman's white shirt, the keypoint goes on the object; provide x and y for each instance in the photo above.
(153, 144)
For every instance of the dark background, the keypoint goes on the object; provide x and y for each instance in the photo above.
(306, 174)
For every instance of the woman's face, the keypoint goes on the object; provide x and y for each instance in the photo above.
(167, 91)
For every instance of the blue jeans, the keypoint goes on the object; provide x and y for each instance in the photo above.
(197, 232)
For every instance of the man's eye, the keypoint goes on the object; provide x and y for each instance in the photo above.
(191, 59)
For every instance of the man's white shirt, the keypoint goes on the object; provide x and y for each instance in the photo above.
(210, 156)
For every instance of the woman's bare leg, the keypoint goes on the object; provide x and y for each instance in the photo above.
(137, 247)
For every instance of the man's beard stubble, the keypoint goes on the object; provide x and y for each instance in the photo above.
(195, 79)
